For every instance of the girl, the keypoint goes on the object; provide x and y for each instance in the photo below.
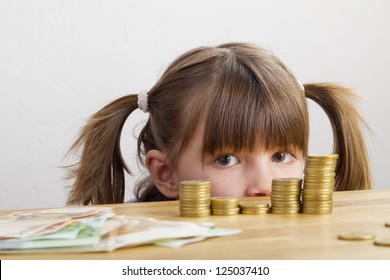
(232, 114)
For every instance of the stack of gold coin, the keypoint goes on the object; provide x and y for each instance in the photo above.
(224, 206)
(318, 184)
(254, 207)
(286, 195)
(194, 198)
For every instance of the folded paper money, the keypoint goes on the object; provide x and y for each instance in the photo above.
(94, 229)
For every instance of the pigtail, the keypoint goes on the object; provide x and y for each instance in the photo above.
(352, 171)
(99, 176)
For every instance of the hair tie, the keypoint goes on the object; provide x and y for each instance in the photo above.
(143, 101)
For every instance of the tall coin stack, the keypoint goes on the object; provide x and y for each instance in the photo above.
(224, 206)
(194, 198)
(286, 195)
(318, 184)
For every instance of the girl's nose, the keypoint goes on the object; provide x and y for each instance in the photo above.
(259, 190)
(259, 182)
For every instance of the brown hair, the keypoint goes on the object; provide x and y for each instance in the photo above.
(244, 95)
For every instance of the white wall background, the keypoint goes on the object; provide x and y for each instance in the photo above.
(60, 61)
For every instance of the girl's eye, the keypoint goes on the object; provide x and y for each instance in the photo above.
(282, 157)
(226, 160)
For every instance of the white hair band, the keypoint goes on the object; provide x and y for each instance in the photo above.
(143, 101)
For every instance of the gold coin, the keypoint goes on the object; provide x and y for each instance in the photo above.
(284, 197)
(224, 202)
(197, 190)
(194, 193)
(194, 203)
(316, 208)
(320, 162)
(382, 242)
(323, 156)
(194, 208)
(323, 204)
(225, 210)
(318, 200)
(318, 192)
(286, 187)
(327, 168)
(286, 207)
(319, 179)
(247, 212)
(233, 210)
(276, 209)
(355, 235)
(285, 201)
(195, 187)
(288, 212)
(226, 213)
(195, 215)
(319, 187)
(317, 196)
(224, 199)
(317, 212)
(254, 205)
(193, 212)
(195, 183)
(318, 182)
(286, 192)
(202, 206)
(317, 204)
(194, 196)
(323, 210)
(287, 180)
(319, 169)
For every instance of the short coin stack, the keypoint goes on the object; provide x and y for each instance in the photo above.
(194, 198)
(254, 207)
(286, 195)
(224, 206)
(318, 184)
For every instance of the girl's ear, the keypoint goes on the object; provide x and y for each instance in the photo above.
(161, 173)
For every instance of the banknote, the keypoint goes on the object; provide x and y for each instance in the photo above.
(33, 223)
(81, 232)
(112, 232)
(212, 232)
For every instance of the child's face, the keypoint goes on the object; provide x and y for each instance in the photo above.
(238, 175)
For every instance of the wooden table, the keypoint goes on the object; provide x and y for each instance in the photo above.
(268, 236)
